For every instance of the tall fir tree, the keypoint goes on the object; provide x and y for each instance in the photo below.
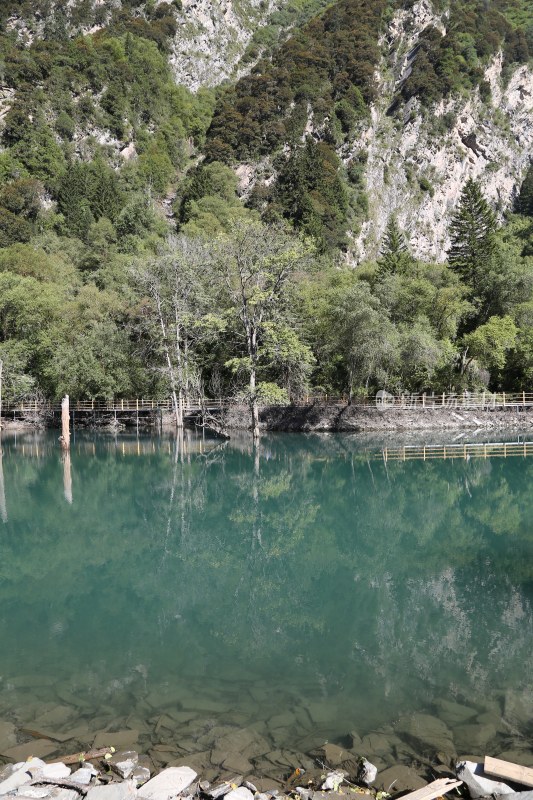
(394, 253)
(524, 201)
(472, 236)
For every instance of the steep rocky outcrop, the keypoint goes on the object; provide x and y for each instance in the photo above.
(213, 37)
(417, 165)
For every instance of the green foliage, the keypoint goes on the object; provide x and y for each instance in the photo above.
(524, 201)
(490, 342)
(453, 63)
(394, 255)
(330, 60)
(310, 193)
(472, 235)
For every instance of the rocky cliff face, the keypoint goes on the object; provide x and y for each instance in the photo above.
(213, 37)
(417, 165)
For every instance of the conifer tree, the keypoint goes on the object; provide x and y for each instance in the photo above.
(394, 254)
(472, 236)
(524, 202)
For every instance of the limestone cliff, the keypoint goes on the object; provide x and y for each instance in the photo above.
(418, 164)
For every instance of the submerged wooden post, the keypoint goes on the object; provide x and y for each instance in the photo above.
(65, 424)
(67, 477)
(3, 507)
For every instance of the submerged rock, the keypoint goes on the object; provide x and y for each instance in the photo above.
(427, 733)
(399, 779)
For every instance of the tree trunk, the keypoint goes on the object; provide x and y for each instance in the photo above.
(3, 507)
(253, 405)
(252, 353)
(65, 424)
(171, 375)
(67, 477)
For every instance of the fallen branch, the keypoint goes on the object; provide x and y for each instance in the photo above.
(90, 755)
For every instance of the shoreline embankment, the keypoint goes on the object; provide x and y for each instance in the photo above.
(315, 418)
(363, 419)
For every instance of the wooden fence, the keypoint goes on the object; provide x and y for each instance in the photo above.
(383, 401)
(454, 451)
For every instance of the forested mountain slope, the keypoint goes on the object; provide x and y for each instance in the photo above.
(357, 124)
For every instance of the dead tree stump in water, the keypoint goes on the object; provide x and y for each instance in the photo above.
(65, 424)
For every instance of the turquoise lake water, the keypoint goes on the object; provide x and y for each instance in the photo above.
(309, 580)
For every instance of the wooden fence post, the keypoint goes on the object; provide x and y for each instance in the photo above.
(65, 424)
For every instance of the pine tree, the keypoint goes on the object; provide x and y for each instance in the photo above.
(472, 236)
(524, 202)
(394, 253)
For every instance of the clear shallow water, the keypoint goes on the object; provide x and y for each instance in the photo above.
(308, 586)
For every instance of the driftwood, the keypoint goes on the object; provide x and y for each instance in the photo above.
(433, 790)
(90, 755)
(506, 769)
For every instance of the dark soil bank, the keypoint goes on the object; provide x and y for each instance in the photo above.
(353, 418)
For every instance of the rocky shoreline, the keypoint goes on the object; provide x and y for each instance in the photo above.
(178, 756)
(312, 419)
(111, 774)
(356, 419)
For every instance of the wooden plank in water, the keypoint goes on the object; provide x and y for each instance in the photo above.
(508, 770)
(433, 790)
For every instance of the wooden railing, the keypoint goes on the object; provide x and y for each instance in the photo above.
(454, 451)
(383, 401)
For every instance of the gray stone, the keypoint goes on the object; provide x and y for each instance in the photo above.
(223, 788)
(241, 793)
(140, 775)
(167, 784)
(84, 775)
(126, 790)
(57, 770)
(19, 776)
(478, 784)
(35, 792)
(367, 772)
(124, 763)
